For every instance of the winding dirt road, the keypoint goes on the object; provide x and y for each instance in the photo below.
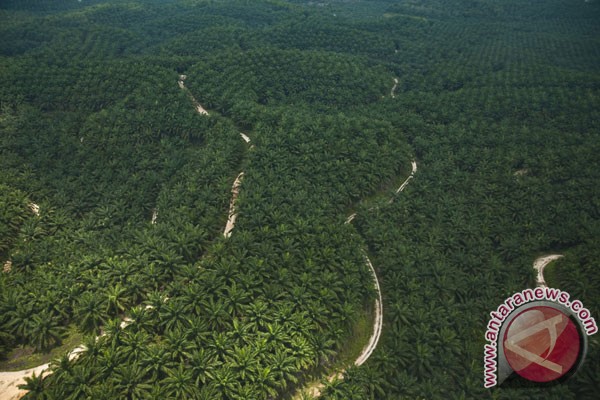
(314, 390)
(412, 175)
(393, 91)
(539, 264)
(378, 322)
(199, 108)
(235, 191)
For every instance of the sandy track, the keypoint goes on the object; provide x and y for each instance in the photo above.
(235, 191)
(393, 91)
(245, 137)
(540, 263)
(198, 106)
(412, 174)
(378, 321)
(377, 324)
(315, 389)
(10, 380)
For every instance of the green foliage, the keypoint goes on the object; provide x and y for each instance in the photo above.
(497, 102)
(271, 76)
(13, 214)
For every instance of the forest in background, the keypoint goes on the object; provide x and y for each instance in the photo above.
(498, 101)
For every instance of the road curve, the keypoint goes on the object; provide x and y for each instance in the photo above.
(539, 264)
(315, 389)
(198, 106)
(393, 91)
(378, 322)
(235, 191)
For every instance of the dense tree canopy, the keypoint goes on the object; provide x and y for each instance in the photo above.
(114, 190)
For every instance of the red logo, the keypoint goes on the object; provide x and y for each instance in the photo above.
(541, 344)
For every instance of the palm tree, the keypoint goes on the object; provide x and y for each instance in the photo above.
(156, 301)
(90, 312)
(93, 347)
(129, 380)
(118, 268)
(154, 360)
(219, 344)
(134, 343)
(78, 383)
(216, 315)
(257, 314)
(142, 315)
(283, 367)
(187, 241)
(335, 390)
(6, 340)
(422, 354)
(243, 361)
(248, 391)
(19, 318)
(265, 381)
(225, 382)
(324, 348)
(35, 386)
(179, 383)
(45, 330)
(178, 347)
(116, 299)
(208, 392)
(234, 300)
(174, 315)
(198, 331)
(155, 276)
(240, 332)
(62, 367)
(108, 360)
(370, 379)
(302, 352)
(276, 335)
(190, 297)
(114, 331)
(203, 363)
(103, 391)
(55, 302)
